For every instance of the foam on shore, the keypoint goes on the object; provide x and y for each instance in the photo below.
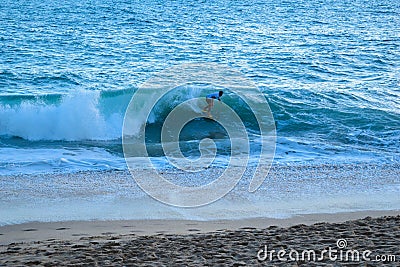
(114, 195)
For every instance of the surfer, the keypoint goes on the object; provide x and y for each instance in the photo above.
(210, 101)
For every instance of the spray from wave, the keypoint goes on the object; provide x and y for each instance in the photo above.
(85, 115)
(78, 116)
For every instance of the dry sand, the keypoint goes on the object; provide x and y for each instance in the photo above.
(189, 243)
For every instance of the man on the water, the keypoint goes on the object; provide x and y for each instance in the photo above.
(210, 101)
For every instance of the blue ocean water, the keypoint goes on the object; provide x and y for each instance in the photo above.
(68, 69)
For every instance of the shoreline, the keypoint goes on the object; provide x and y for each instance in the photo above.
(75, 230)
(215, 239)
(115, 195)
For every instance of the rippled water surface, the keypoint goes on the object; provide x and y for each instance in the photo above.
(329, 69)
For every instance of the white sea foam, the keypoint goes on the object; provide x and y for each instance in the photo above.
(76, 117)
(287, 191)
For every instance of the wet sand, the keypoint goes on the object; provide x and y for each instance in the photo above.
(199, 243)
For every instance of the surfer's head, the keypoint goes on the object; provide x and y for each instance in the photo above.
(221, 93)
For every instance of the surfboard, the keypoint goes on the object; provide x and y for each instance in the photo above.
(206, 116)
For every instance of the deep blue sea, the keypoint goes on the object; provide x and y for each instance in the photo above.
(68, 69)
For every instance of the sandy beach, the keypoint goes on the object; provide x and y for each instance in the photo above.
(368, 226)
(199, 243)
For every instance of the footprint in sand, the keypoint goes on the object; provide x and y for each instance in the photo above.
(30, 230)
(62, 228)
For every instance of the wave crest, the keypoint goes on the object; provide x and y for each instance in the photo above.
(77, 116)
